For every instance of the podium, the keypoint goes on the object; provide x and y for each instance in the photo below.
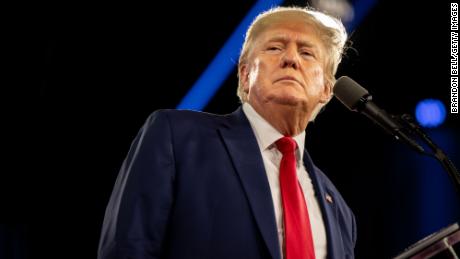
(443, 244)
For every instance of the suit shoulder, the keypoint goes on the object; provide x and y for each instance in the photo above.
(188, 118)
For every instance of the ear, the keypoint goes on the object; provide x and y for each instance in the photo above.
(326, 93)
(244, 77)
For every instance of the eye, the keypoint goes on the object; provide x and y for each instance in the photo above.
(274, 48)
(306, 53)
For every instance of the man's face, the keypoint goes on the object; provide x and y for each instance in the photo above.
(285, 67)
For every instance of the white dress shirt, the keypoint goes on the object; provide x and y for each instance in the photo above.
(266, 136)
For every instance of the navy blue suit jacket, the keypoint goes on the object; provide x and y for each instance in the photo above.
(194, 186)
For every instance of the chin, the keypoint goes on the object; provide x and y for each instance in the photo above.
(288, 100)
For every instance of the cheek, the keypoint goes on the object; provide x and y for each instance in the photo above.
(315, 80)
(253, 75)
(258, 76)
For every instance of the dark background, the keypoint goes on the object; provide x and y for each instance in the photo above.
(83, 78)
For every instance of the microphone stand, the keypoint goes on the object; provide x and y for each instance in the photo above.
(438, 153)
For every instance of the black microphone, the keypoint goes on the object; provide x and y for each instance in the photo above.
(357, 98)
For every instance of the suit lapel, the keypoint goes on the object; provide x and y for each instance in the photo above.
(244, 151)
(328, 207)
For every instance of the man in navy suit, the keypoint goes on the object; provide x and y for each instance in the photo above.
(199, 185)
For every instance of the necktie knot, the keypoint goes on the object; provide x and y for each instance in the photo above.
(286, 145)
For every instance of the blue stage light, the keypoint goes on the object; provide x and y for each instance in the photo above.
(430, 113)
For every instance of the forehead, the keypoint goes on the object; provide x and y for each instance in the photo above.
(296, 31)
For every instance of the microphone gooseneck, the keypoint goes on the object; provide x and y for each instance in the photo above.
(357, 98)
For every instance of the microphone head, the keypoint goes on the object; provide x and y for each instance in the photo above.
(350, 93)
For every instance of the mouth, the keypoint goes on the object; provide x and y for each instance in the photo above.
(288, 78)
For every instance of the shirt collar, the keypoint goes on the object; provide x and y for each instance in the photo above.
(266, 134)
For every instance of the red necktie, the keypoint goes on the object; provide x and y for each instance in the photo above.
(297, 232)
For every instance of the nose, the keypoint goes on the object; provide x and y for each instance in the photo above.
(290, 58)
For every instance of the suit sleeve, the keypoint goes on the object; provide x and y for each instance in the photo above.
(136, 218)
(354, 230)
